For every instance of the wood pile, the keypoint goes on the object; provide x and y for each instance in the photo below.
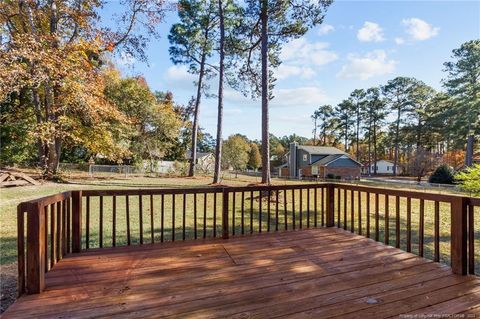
(11, 179)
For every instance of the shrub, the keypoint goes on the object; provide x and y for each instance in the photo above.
(442, 175)
(470, 179)
(330, 176)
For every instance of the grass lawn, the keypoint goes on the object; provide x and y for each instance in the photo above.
(10, 198)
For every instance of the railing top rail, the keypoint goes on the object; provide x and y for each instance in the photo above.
(474, 201)
(400, 193)
(216, 189)
(47, 200)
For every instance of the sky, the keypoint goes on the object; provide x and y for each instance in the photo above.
(360, 44)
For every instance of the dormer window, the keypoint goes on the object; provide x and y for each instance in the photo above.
(305, 157)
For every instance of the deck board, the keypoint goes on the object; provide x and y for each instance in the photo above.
(316, 273)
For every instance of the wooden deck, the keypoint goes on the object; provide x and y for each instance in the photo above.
(316, 273)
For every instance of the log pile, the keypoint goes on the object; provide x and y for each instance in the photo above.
(11, 179)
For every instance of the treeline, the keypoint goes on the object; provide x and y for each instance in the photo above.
(409, 122)
(54, 83)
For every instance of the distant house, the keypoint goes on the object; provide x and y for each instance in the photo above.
(384, 167)
(319, 161)
(205, 162)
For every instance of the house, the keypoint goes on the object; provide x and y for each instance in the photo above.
(319, 162)
(205, 162)
(384, 167)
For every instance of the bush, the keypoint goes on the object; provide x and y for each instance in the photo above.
(330, 176)
(470, 179)
(442, 175)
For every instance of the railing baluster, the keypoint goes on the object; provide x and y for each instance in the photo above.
(152, 226)
(214, 215)
(436, 234)
(184, 215)
(387, 220)
(471, 240)
(338, 207)
(315, 203)
(251, 212)
(47, 263)
(377, 218)
(53, 235)
(233, 213)
(87, 224)
(268, 210)
(162, 218)
(293, 209)
(243, 213)
(173, 217)
(114, 221)
(195, 215)
(322, 191)
(352, 211)
(359, 204)
(140, 217)
(100, 223)
(205, 215)
(397, 221)
(276, 209)
(409, 224)
(300, 210)
(345, 208)
(368, 214)
(308, 207)
(69, 233)
(64, 228)
(421, 228)
(127, 211)
(285, 209)
(59, 231)
(260, 211)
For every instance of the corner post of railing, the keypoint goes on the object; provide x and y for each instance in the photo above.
(330, 218)
(225, 213)
(458, 248)
(36, 247)
(76, 221)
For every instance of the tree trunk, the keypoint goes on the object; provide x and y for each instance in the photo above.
(218, 149)
(357, 152)
(370, 149)
(374, 148)
(265, 96)
(196, 113)
(397, 134)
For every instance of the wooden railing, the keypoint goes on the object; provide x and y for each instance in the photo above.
(435, 226)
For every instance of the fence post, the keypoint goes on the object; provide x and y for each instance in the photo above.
(459, 235)
(76, 221)
(330, 205)
(225, 213)
(35, 248)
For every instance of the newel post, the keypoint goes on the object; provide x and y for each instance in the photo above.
(330, 205)
(36, 247)
(459, 235)
(225, 213)
(76, 221)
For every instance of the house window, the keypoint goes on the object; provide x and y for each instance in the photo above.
(388, 168)
(305, 157)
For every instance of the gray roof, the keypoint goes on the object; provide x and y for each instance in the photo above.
(321, 150)
(327, 159)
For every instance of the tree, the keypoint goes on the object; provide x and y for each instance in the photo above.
(463, 83)
(206, 142)
(267, 24)
(344, 113)
(358, 100)
(236, 153)
(398, 94)
(442, 175)
(374, 113)
(470, 179)
(255, 159)
(192, 43)
(323, 121)
(51, 52)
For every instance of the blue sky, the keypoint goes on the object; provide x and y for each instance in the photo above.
(359, 45)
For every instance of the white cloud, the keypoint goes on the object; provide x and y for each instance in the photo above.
(301, 51)
(299, 97)
(399, 40)
(285, 71)
(370, 32)
(125, 60)
(419, 30)
(372, 64)
(177, 77)
(325, 29)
